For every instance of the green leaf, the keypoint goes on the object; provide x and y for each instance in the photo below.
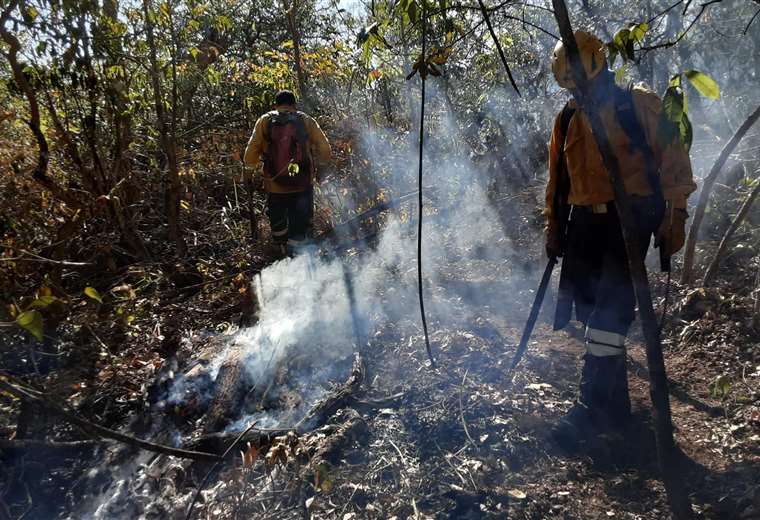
(675, 81)
(620, 74)
(93, 293)
(30, 14)
(638, 31)
(673, 104)
(42, 302)
(704, 84)
(31, 321)
(686, 132)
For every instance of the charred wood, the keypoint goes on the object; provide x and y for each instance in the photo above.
(320, 413)
(232, 385)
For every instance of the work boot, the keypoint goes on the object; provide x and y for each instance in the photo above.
(610, 401)
(277, 250)
(578, 425)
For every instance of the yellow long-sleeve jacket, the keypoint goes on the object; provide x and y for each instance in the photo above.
(589, 180)
(319, 148)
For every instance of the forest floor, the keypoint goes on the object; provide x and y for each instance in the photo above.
(457, 441)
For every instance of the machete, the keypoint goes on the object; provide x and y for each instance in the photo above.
(528, 330)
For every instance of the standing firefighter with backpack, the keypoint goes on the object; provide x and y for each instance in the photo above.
(583, 228)
(290, 143)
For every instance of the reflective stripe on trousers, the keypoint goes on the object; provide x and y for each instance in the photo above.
(603, 343)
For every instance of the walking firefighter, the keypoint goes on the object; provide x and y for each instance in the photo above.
(583, 228)
(290, 143)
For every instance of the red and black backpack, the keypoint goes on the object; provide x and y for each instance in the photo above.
(287, 159)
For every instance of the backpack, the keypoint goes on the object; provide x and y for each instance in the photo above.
(287, 160)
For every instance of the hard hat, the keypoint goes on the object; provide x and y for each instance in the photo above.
(594, 61)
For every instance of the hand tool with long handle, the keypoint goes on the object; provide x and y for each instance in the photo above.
(538, 300)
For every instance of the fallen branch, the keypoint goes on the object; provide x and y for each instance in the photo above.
(95, 430)
(704, 195)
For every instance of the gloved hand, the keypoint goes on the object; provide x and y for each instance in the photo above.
(553, 242)
(672, 233)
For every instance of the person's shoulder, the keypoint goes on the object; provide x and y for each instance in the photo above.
(644, 96)
(266, 116)
(305, 116)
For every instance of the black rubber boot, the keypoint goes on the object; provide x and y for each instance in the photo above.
(573, 430)
(610, 400)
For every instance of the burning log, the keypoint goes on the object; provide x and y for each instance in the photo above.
(232, 385)
(349, 427)
(319, 414)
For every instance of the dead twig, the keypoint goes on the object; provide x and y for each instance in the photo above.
(461, 409)
(41, 259)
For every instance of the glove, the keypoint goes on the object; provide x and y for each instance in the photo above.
(553, 242)
(672, 233)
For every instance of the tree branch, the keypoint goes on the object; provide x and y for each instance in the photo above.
(498, 46)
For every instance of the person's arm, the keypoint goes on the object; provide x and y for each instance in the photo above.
(553, 240)
(676, 177)
(254, 152)
(318, 141)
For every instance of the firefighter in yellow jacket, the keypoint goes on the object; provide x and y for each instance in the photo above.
(583, 227)
(290, 143)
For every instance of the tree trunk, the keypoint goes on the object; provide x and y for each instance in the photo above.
(704, 195)
(292, 13)
(713, 268)
(168, 145)
(658, 389)
(43, 155)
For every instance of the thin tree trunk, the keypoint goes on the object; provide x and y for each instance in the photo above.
(704, 195)
(757, 294)
(658, 389)
(43, 155)
(743, 212)
(292, 14)
(168, 145)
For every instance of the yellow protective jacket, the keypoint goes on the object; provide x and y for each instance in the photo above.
(589, 181)
(318, 148)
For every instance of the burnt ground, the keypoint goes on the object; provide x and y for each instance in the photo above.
(456, 441)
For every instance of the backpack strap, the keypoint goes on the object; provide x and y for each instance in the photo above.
(625, 112)
(562, 190)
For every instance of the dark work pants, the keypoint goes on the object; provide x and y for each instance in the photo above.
(595, 267)
(595, 277)
(290, 216)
